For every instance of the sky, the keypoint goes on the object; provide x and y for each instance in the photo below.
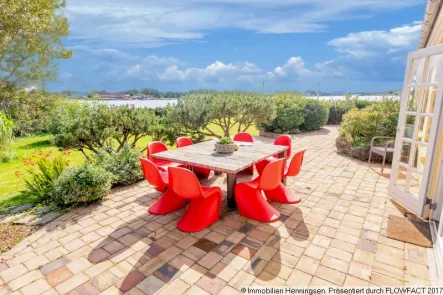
(179, 45)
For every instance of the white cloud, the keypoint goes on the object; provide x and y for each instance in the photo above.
(367, 43)
(371, 55)
(295, 66)
(153, 23)
(67, 75)
(104, 54)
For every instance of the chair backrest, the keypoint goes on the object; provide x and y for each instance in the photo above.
(296, 162)
(183, 141)
(184, 183)
(272, 175)
(284, 140)
(155, 147)
(243, 136)
(151, 173)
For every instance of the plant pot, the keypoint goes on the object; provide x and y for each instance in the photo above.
(224, 148)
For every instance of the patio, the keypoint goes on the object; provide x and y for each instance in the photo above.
(335, 236)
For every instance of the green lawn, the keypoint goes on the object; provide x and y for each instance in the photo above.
(10, 185)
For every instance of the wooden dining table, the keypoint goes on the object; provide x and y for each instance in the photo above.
(203, 155)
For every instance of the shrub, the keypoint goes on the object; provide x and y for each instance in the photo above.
(124, 165)
(316, 115)
(207, 113)
(360, 126)
(6, 157)
(43, 171)
(289, 112)
(82, 184)
(337, 108)
(6, 127)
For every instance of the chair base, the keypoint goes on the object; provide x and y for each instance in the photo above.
(253, 205)
(167, 203)
(282, 194)
(201, 213)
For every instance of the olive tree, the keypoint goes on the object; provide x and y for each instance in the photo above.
(218, 113)
(6, 126)
(96, 126)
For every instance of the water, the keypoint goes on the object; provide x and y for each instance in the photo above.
(362, 97)
(141, 103)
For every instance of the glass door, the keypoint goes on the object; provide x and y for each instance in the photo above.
(417, 127)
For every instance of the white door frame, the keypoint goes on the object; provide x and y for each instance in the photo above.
(407, 199)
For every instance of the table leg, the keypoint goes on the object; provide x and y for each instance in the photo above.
(217, 173)
(280, 156)
(231, 181)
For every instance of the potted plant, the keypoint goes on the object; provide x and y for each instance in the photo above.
(225, 146)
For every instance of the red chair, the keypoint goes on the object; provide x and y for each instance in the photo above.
(281, 193)
(157, 147)
(168, 202)
(205, 205)
(245, 137)
(185, 141)
(285, 140)
(250, 201)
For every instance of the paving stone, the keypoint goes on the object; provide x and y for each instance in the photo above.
(151, 285)
(205, 245)
(244, 251)
(85, 289)
(131, 280)
(104, 280)
(59, 276)
(47, 268)
(46, 218)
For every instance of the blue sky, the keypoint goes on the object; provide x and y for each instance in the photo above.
(346, 45)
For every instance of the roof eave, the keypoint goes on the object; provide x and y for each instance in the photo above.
(432, 9)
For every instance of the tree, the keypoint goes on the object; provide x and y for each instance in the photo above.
(95, 126)
(30, 40)
(205, 113)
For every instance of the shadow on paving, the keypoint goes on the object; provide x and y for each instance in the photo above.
(149, 251)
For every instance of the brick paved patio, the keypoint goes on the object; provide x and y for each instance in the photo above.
(336, 236)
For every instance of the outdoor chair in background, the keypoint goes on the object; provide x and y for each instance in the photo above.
(281, 140)
(168, 202)
(281, 193)
(186, 141)
(157, 147)
(245, 137)
(382, 150)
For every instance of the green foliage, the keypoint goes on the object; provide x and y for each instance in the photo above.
(43, 171)
(6, 126)
(198, 114)
(316, 115)
(94, 126)
(30, 111)
(124, 165)
(6, 157)
(378, 119)
(30, 40)
(81, 184)
(290, 113)
(338, 108)
(295, 112)
(225, 140)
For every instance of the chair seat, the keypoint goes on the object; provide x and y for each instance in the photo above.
(164, 167)
(381, 150)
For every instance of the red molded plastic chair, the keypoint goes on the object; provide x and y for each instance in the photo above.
(281, 140)
(281, 193)
(157, 147)
(205, 205)
(185, 141)
(250, 202)
(245, 137)
(168, 202)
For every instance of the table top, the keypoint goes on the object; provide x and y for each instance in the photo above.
(203, 155)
